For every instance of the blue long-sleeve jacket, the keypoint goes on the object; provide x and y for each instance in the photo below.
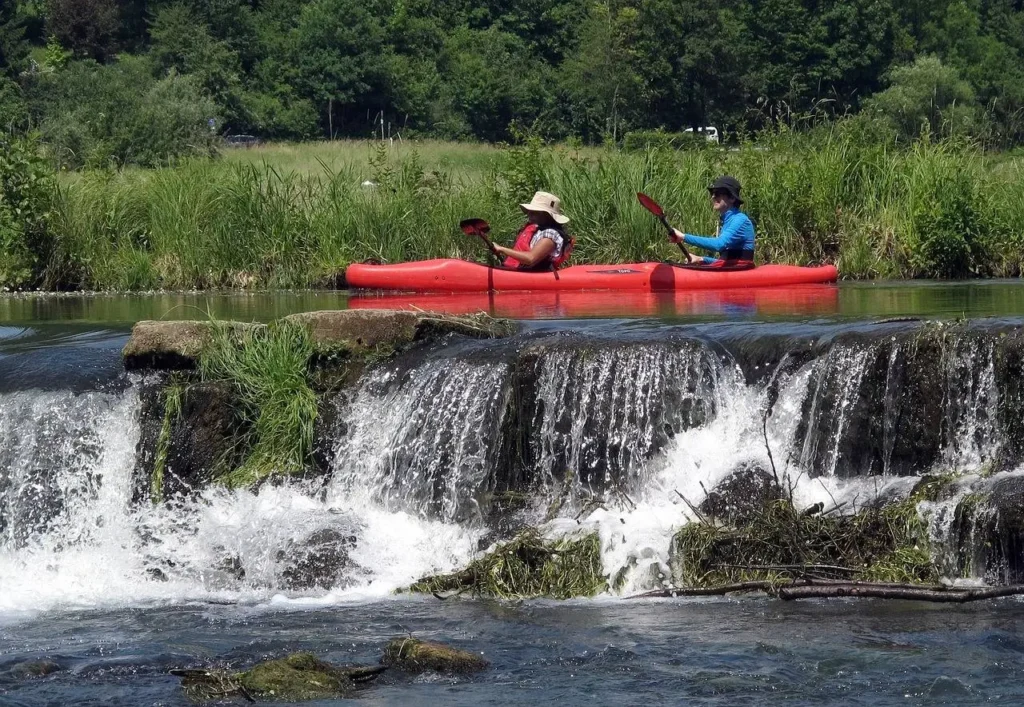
(735, 240)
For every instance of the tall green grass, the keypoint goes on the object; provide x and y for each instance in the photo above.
(297, 218)
(266, 367)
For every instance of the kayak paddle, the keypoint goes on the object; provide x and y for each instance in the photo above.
(655, 208)
(479, 228)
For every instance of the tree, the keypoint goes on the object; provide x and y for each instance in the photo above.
(182, 42)
(928, 95)
(338, 55)
(600, 76)
(491, 80)
(692, 61)
(13, 47)
(87, 27)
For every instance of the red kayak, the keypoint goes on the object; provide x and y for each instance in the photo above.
(462, 276)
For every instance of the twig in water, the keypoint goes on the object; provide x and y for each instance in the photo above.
(700, 516)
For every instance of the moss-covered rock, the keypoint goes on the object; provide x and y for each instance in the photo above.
(742, 495)
(31, 669)
(294, 678)
(415, 656)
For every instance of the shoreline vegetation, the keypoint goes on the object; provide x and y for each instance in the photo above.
(294, 216)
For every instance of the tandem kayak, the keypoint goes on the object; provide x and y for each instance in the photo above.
(462, 276)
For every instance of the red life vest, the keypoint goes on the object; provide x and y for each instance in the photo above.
(523, 244)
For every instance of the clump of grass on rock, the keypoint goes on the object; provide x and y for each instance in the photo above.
(781, 543)
(267, 369)
(412, 655)
(528, 566)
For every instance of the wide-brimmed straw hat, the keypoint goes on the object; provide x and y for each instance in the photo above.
(547, 203)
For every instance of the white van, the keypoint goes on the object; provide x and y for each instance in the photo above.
(710, 133)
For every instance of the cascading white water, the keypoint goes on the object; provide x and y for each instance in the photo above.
(611, 408)
(72, 537)
(426, 444)
(417, 450)
(839, 375)
(971, 425)
(65, 475)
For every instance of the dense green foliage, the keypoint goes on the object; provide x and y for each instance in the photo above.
(937, 209)
(593, 69)
(26, 191)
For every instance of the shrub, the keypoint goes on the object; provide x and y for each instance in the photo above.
(26, 190)
(119, 114)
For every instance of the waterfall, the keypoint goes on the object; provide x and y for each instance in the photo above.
(423, 442)
(616, 430)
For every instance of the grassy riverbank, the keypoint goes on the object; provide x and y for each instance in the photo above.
(296, 215)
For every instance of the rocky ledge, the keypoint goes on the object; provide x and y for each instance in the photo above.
(177, 345)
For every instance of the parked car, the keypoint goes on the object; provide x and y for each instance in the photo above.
(710, 133)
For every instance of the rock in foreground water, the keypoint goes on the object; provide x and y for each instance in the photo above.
(294, 678)
(415, 656)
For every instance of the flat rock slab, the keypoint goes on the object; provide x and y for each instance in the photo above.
(175, 345)
(170, 345)
(367, 330)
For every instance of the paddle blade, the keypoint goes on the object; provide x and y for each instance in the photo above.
(650, 204)
(475, 227)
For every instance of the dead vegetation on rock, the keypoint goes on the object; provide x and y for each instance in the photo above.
(527, 566)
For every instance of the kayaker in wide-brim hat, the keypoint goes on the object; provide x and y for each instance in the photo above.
(735, 240)
(542, 244)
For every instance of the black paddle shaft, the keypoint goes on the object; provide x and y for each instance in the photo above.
(655, 208)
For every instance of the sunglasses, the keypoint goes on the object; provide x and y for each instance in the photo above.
(719, 195)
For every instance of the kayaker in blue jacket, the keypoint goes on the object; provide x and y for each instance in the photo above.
(735, 240)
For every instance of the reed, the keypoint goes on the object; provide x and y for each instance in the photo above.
(295, 216)
(266, 367)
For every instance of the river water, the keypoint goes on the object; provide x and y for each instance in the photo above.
(77, 588)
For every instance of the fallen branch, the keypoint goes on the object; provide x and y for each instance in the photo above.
(759, 586)
(910, 592)
(791, 568)
(700, 516)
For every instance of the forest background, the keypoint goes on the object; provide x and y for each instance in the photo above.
(886, 130)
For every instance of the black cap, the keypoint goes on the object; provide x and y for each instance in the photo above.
(728, 184)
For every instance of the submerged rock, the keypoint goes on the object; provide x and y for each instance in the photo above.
(415, 656)
(32, 669)
(294, 678)
(742, 496)
(318, 561)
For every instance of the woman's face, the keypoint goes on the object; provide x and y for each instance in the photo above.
(538, 218)
(721, 201)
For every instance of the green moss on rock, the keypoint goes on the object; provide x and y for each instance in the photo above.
(295, 678)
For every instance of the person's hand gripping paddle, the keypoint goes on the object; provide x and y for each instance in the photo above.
(479, 228)
(655, 208)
